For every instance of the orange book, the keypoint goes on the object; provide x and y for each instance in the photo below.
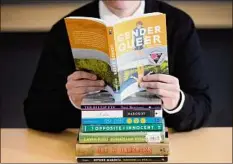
(123, 149)
(122, 53)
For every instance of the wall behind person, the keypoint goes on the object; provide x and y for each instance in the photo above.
(49, 1)
(20, 51)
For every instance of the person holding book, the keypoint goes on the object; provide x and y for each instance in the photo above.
(58, 89)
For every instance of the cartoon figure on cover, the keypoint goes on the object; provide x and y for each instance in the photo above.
(139, 50)
(154, 57)
(140, 36)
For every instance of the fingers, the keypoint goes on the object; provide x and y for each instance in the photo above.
(81, 83)
(76, 97)
(161, 78)
(164, 86)
(84, 83)
(76, 100)
(160, 85)
(83, 90)
(81, 75)
(163, 93)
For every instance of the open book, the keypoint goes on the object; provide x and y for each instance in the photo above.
(120, 54)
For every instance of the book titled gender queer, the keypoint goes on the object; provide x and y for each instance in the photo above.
(121, 53)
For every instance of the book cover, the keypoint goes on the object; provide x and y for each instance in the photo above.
(120, 54)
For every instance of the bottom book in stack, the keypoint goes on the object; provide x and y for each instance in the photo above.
(123, 159)
(123, 146)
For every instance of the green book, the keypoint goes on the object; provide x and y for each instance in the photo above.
(122, 137)
(121, 128)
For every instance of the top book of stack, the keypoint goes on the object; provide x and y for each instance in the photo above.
(121, 53)
(105, 101)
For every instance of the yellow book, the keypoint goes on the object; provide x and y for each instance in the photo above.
(121, 53)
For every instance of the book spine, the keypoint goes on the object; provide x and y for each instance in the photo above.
(123, 159)
(124, 120)
(120, 107)
(138, 149)
(121, 113)
(113, 57)
(139, 113)
(102, 114)
(113, 134)
(149, 137)
(121, 128)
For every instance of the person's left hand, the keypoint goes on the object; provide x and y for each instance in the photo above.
(165, 86)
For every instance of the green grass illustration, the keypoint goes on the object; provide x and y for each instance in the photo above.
(100, 68)
(103, 71)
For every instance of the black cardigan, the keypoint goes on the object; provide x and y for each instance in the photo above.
(48, 108)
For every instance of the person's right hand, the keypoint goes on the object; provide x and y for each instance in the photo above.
(81, 83)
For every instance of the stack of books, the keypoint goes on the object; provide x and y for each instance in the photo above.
(124, 124)
(130, 131)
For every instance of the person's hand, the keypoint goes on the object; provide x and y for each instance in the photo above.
(165, 86)
(81, 83)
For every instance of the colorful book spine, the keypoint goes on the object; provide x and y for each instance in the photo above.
(123, 159)
(139, 113)
(122, 137)
(138, 149)
(124, 120)
(122, 128)
(121, 107)
(122, 113)
(113, 58)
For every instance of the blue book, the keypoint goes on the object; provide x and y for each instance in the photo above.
(123, 120)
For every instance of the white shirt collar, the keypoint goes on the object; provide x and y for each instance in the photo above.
(111, 18)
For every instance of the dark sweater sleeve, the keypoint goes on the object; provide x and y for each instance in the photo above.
(188, 68)
(47, 106)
